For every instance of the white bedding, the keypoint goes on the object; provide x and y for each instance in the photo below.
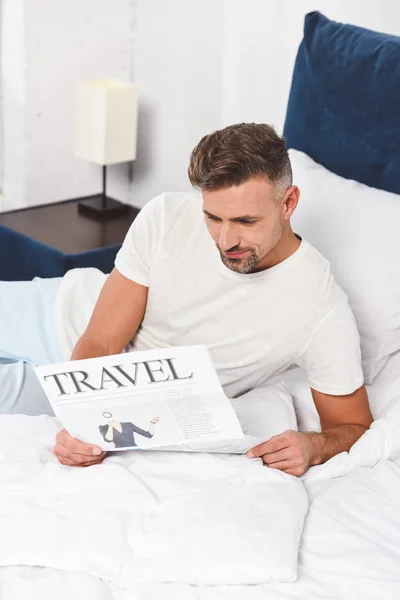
(142, 517)
(349, 548)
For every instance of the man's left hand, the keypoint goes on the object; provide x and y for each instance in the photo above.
(291, 452)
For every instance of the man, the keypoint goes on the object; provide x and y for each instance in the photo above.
(224, 268)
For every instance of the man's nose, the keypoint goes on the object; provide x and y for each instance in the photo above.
(227, 237)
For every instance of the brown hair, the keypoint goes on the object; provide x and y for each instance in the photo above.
(231, 156)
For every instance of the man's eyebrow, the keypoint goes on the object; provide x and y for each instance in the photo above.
(246, 218)
(234, 219)
(210, 214)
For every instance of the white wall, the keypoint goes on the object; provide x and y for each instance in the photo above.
(199, 65)
(261, 41)
(58, 44)
(178, 62)
(12, 70)
(68, 42)
(172, 50)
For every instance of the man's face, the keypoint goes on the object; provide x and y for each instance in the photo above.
(246, 222)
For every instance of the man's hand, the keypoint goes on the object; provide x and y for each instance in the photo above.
(291, 452)
(344, 419)
(74, 453)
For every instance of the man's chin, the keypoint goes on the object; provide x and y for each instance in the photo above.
(238, 265)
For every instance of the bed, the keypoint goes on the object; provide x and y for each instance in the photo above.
(216, 527)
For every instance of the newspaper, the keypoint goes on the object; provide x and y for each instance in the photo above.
(164, 399)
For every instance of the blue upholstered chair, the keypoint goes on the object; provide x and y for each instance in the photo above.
(22, 258)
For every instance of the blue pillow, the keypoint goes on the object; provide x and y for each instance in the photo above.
(344, 104)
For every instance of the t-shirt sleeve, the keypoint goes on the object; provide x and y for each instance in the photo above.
(136, 256)
(332, 359)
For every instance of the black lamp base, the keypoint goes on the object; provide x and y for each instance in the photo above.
(102, 208)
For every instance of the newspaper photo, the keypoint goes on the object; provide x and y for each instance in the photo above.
(164, 399)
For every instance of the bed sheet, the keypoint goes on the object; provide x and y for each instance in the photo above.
(350, 544)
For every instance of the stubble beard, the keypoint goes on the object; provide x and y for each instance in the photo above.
(244, 265)
(249, 262)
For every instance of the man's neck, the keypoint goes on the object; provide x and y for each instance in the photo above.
(287, 245)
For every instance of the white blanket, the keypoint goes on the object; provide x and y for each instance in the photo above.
(350, 549)
(141, 517)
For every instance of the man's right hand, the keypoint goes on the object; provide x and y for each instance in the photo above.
(74, 453)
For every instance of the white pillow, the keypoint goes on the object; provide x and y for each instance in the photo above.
(357, 229)
(266, 411)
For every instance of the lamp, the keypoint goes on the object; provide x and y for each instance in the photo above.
(106, 134)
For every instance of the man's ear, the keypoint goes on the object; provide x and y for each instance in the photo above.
(290, 201)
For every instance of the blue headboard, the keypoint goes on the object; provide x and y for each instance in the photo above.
(344, 104)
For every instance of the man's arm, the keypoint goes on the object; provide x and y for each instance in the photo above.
(115, 320)
(343, 421)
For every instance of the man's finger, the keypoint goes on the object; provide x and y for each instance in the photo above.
(295, 471)
(76, 459)
(70, 463)
(289, 467)
(284, 465)
(73, 462)
(275, 444)
(60, 450)
(66, 462)
(76, 446)
(275, 457)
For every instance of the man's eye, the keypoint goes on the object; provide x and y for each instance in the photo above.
(247, 222)
(212, 218)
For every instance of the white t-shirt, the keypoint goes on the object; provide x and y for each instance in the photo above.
(256, 326)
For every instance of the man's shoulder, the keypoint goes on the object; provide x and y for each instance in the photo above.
(168, 205)
(169, 216)
(313, 264)
(317, 280)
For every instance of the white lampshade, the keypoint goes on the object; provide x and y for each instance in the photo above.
(106, 123)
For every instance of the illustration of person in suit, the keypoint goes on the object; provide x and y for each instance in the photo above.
(123, 434)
